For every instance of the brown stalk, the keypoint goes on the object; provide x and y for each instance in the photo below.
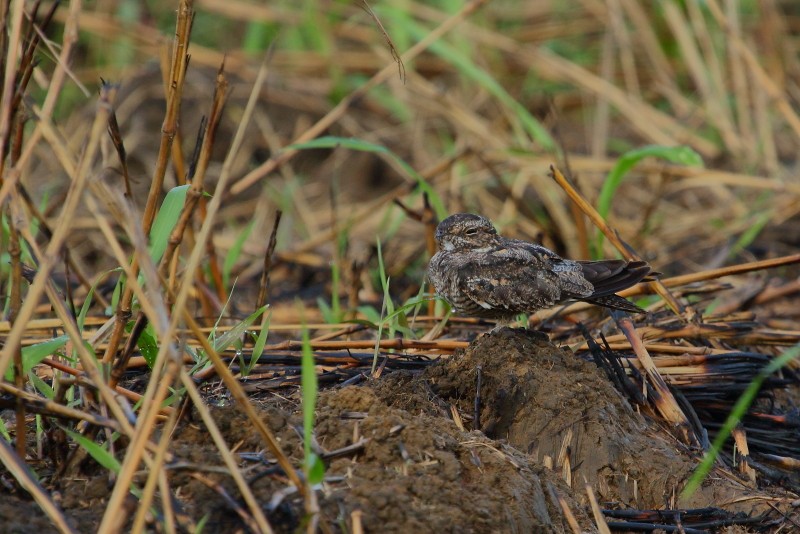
(119, 146)
(719, 273)
(154, 475)
(140, 436)
(11, 72)
(741, 100)
(398, 343)
(87, 359)
(70, 264)
(599, 520)
(243, 401)
(740, 438)
(180, 60)
(612, 236)
(195, 191)
(44, 406)
(126, 393)
(654, 124)
(211, 257)
(12, 118)
(624, 44)
(601, 121)
(227, 456)
(14, 251)
(676, 281)
(648, 40)
(62, 230)
(263, 286)
(704, 71)
(665, 403)
(764, 80)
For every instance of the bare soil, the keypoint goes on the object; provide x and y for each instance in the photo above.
(549, 421)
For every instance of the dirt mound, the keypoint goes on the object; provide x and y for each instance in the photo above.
(563, 412)
(420, 473)
(547, 402)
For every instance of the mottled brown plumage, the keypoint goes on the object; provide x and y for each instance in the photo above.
(482, 274)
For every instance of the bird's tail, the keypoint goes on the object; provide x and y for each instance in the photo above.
(611, 276)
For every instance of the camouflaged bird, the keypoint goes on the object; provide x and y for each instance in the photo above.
(482, 274)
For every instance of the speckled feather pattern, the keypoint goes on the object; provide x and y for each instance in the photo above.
(483, 274)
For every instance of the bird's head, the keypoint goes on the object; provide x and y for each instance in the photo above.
(465, 231)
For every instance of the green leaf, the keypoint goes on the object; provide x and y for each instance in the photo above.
(371, 314)
(315, 469)
(326, 311)
(309, 388)
(148, 344)
(682, 155)
(258, 347)
(4, 430)
(365, 146)
(750, 235)
(41, 386)
(87, 302)
(32, 355)
(165, 221)
(100, 454)
(224, 341)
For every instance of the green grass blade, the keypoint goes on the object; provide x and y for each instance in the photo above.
(100, 454)
(258, 346)
(32, 355)
(4, 431)
(165, 221)
(309, 388)
(41, 386)
(147, 343)
(750, 235)
(224, 341)
(682, 155)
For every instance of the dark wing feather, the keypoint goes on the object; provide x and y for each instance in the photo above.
(611, 276)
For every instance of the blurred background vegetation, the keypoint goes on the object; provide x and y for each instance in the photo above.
(481, 114)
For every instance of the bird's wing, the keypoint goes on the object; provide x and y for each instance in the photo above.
(520, 276)
(610, 276)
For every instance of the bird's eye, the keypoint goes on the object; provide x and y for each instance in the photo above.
(472, 231)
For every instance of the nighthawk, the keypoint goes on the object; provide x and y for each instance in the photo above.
(482, 274)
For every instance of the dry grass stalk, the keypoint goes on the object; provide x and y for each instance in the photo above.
(599, 520)
(664, 401)
(612, 236)
(740, 438)
(179, 63)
